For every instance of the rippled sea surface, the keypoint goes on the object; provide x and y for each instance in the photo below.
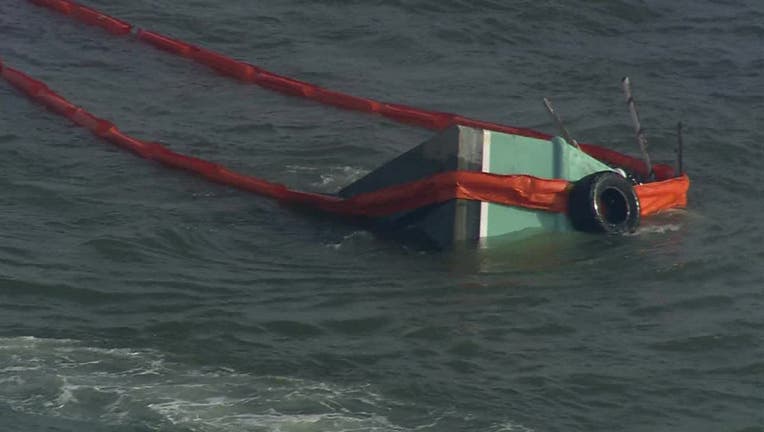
(137, 298)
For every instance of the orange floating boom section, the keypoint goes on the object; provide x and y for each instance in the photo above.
(252, 74)
(87, 15)
(515, 190)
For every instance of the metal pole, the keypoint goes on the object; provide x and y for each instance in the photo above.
(640, 134)
(563, 129)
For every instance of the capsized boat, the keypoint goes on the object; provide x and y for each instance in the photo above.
(531, 185)
(463, 185)
(474, 180)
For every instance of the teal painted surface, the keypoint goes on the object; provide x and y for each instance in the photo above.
(510, 154)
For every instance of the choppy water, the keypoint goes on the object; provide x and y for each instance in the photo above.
(137, 298)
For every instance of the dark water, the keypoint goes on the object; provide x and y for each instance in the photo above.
(136, 298)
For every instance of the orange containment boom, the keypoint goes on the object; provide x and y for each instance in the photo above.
(514, 190)
(517, 190)
(87, 15)
(252, 74)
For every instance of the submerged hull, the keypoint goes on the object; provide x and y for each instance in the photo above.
(461, 148)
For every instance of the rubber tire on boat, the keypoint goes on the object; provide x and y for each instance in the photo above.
(603, 202)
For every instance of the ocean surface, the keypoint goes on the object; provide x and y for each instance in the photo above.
(138, 298)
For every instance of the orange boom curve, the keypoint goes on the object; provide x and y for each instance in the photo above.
(665, 193)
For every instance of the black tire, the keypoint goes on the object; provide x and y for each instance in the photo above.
(603, 202)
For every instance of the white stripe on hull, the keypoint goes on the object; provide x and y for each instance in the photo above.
(486, 168)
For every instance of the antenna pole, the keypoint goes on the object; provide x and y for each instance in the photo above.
(563, 129)
(640, 134)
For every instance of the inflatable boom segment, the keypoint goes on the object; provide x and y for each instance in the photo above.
(253, 74)
(512, 190)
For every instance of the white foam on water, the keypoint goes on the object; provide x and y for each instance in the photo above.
(330, 179)
(278, 422)
(511, 427)
(656, 229)
(665, 222)
(339, 177)
(127, 386)
(355, 238)
(66, 395)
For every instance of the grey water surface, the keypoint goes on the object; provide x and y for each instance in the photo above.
(138, 298)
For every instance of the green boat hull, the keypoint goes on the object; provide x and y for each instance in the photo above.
(469, 149)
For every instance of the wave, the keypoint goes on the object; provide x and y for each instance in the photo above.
(67, 379)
